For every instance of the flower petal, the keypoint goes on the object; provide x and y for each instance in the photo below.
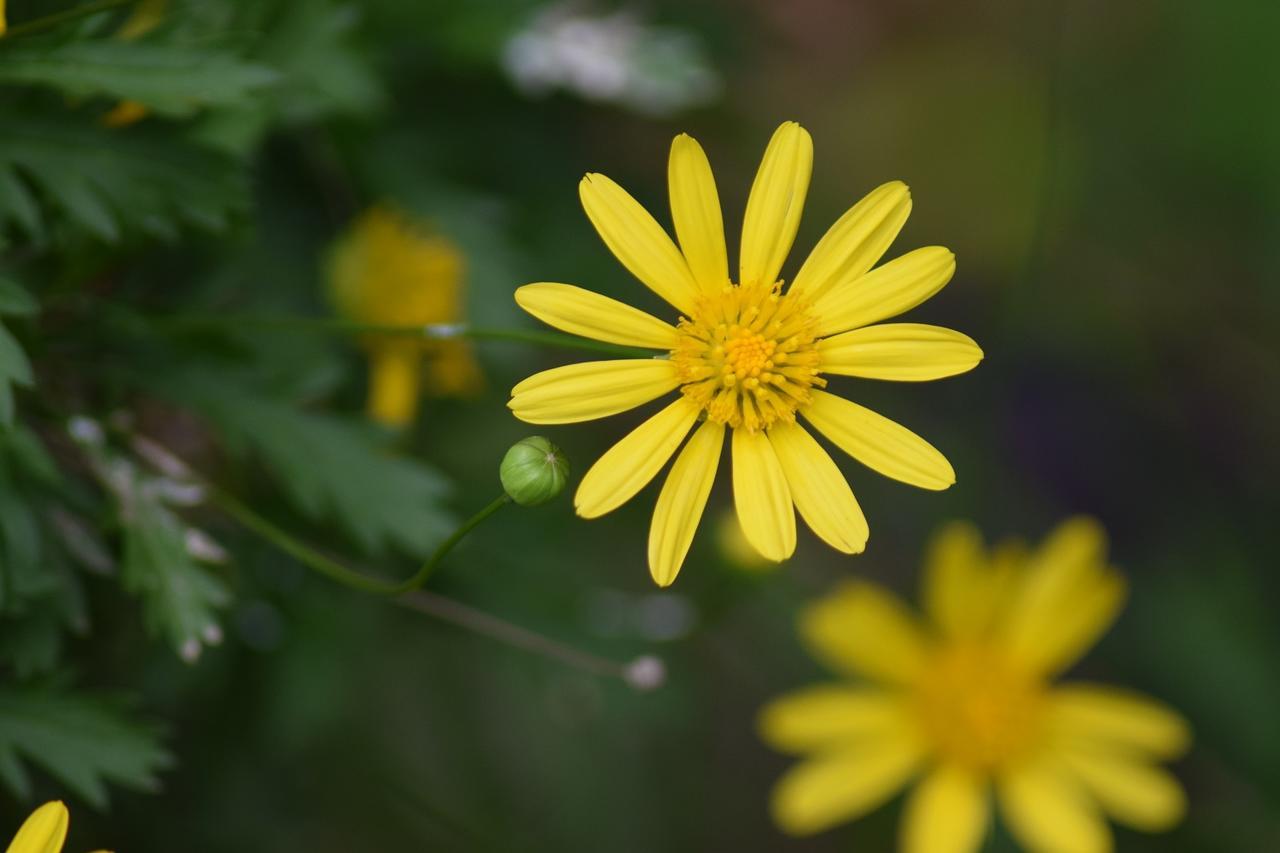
(775, 204)
(591, 389)
(761, 496)
(820, 792)
(947, 813)
(864, 629)
(680, 504)
(825, 715)
(629, 465)
(581, 312)
(856, 241)
(1066, 600)
(879, 443)
(902, 352)
(1109, 717)
(885, 292)
(1048, 811)
(638, 241)
(695, 210)
(1132, 791)
(44, 831)
(820, 491)
(956, 581)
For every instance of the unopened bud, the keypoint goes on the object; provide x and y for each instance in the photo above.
(534, 471)
(645, 673)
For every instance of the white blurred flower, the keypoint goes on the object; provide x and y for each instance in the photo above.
(612, 57)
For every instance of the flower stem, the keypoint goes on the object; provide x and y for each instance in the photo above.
(49, 21)
(334, 570)
(431, 332)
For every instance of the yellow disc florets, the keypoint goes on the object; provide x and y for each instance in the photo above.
(747, 356)
(980, 710)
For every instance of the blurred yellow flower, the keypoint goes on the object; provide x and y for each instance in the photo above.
(966, 704)
(4, 24)
(747, 356)
(144, 18)
(388, 270)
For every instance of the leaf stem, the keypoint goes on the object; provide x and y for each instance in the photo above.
(48, 21)
(431, 332)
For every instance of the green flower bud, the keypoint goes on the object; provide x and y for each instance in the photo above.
(534, 471)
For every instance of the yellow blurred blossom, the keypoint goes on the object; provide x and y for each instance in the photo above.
(144, 18)
(46, 829)
(747, 357)
(389, 270)
(735, 548)
(4, 24)
(964, 702)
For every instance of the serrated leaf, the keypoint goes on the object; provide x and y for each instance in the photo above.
(333, 469)
(179, 598)
(109, 183)
(84, 741)
(169, 79)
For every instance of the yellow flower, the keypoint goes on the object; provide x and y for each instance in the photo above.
(748, 356)
(966, 703)
(4, 25)
(390, 271)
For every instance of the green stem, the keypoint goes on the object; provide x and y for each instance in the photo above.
(49, 21)
(334, 570)
(431, 332)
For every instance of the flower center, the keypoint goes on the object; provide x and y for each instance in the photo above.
(747, 356)
(979, 709)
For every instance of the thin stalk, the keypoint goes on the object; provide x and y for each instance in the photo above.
(430, 332)
(334, 570)
(50, 21)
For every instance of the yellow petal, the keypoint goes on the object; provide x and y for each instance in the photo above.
(856, 241)
(629, 465)
(865, 630)
(956, 580)
(581, 312)
(1132, 791)
(695, 210)
(1109, 717)
(902, 352)
(1048, 812)
(761, 496)
(885, 292)
(680, 504)
(821, 792)
(775, 204)
(43, 832)
(638, 241)
(820, 491)
(591, 389)
(1067, 598)
(947, 813)
(826, 715)
(879, 443)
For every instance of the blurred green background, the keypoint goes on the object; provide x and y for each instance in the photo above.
(1106, 173)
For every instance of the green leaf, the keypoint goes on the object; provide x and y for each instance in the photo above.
(109, 183)
(332, 469)
(173, 80)
(179, 597)
(83, 740)
(15, 369)
(14, 299)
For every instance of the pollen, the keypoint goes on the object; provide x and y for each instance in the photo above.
(981, 710)
(747, 357)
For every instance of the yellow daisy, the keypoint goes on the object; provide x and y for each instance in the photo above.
(389, 270)
(748, 356)
(966, 705)
(44, 831)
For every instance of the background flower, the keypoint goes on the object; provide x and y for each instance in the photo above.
(966, 703)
